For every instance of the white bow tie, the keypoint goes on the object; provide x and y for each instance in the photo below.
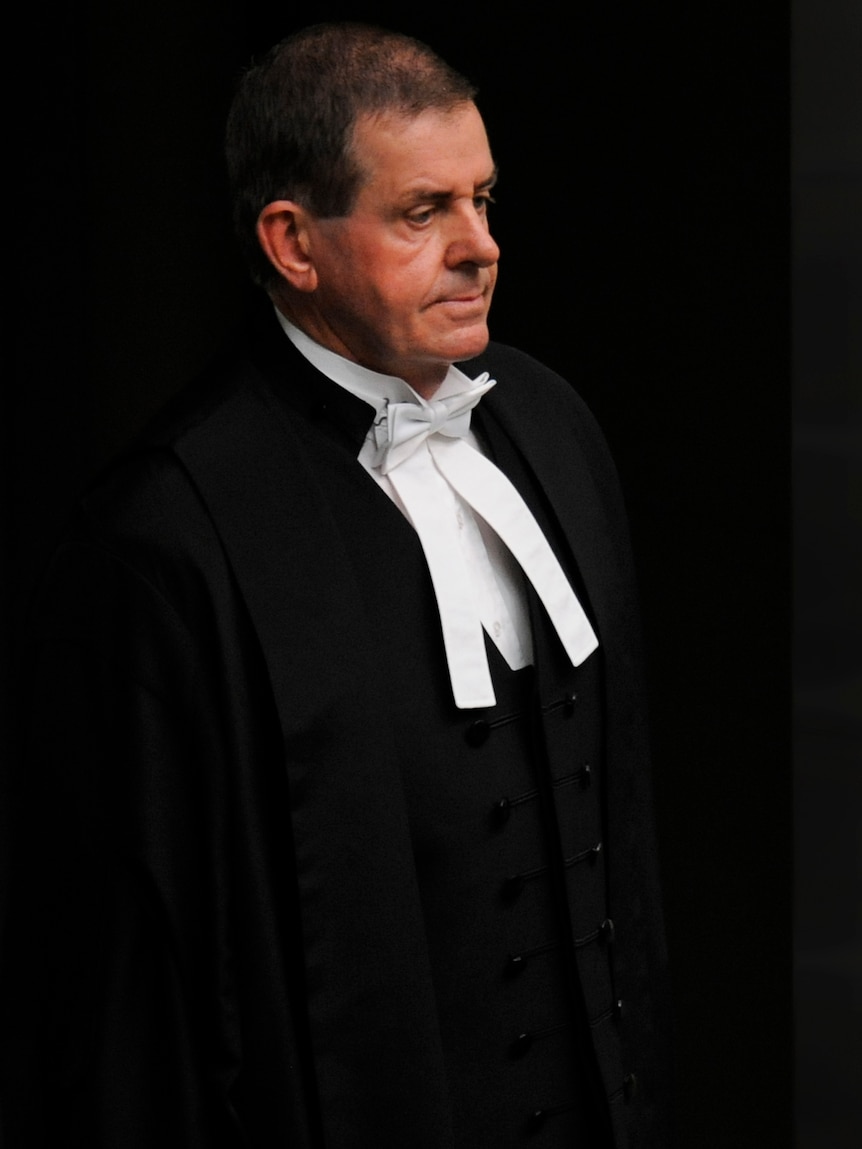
(402, 427)
(407, 439)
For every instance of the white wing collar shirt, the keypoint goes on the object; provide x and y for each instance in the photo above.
(479, 538)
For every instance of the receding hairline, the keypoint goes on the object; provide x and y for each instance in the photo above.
(399, 115)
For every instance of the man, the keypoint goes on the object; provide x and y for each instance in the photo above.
(340, 725)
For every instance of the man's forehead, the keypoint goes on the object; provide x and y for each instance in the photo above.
(373, 127)
(425, 145)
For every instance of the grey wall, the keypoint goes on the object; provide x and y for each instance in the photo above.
(827, 465)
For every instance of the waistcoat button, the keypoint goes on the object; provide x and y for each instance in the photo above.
(501, 811)
(536, 1120)
(477, 732)
(512, 887)
(515, 964)
(521, 1045)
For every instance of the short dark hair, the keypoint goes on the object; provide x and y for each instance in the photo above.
(290, 126)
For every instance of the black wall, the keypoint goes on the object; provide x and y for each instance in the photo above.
(644, 218)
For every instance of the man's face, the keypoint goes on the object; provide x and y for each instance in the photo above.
(404, 282)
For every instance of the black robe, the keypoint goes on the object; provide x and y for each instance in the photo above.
(228, 936)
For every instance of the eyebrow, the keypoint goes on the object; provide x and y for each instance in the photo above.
(425, 195)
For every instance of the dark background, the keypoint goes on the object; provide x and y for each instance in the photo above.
(644, 215)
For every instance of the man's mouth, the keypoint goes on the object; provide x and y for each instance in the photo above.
(473, 295)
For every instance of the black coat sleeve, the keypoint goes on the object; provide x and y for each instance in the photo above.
(146, 778)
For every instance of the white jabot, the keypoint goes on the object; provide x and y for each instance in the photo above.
(463, 508)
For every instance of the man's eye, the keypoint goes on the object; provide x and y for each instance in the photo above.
(422, 217)
(481, 202)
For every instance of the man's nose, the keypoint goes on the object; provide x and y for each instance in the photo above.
(471, 241)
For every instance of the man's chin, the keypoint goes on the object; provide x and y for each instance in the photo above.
(470, 344)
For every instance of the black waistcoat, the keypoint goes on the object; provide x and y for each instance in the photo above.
(505, 817)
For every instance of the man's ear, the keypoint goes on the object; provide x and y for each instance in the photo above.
(282, 232)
